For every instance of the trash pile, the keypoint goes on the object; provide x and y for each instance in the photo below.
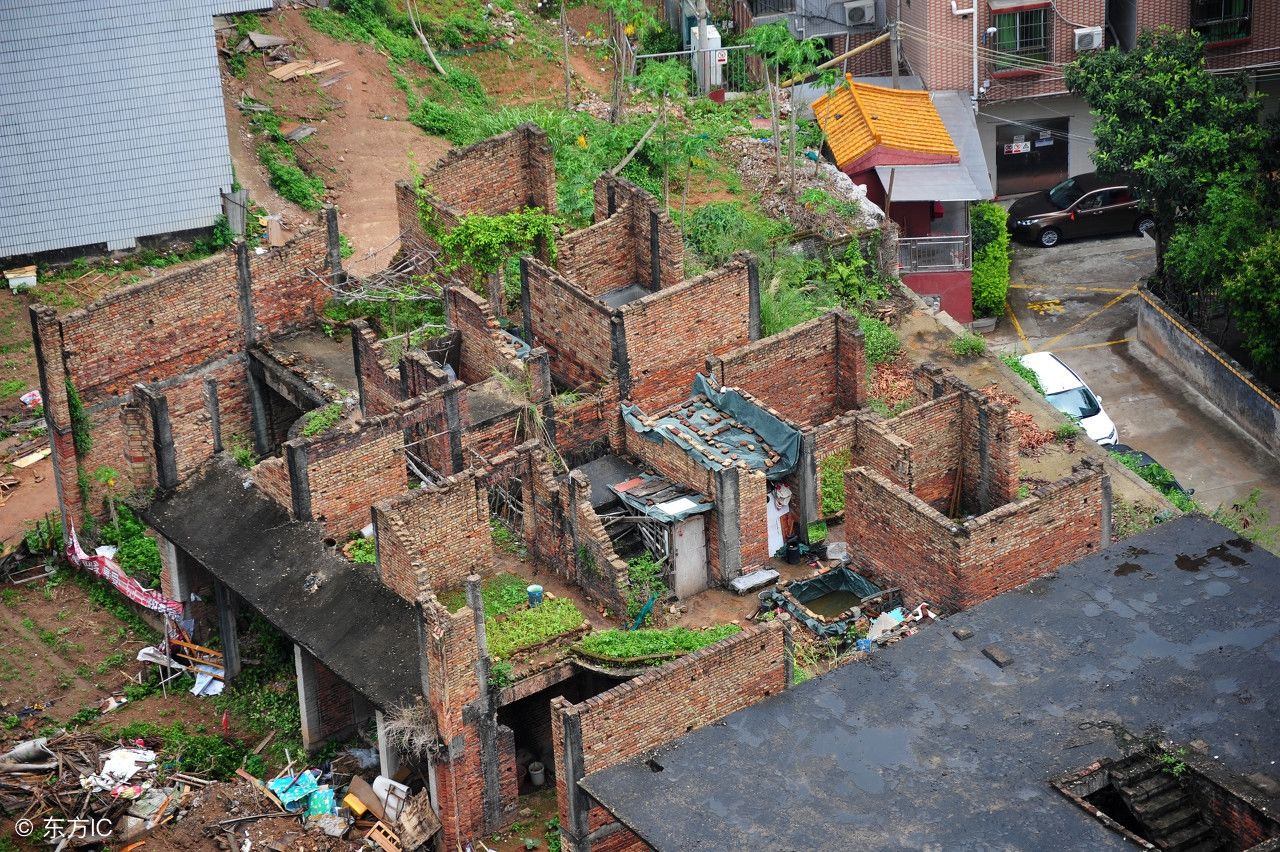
(893, 625)
(83, 790)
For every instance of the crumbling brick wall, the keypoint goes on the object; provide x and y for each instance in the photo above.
(905, 542)
(617, 251)
(588, 426)
(440, 530)
(809, 373)
(668, 334)
(934, 432)
(571, 324)
(378, 383)
(342, 471)
(652, 710)
(485, 349)
(271, 477)
(183, 328)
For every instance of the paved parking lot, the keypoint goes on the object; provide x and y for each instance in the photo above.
(1079, 301)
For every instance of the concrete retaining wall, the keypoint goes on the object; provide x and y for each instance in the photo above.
(1212, 372)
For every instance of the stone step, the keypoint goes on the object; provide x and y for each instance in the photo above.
(1130, 772)
(1149, 788)
(1209, 844)
(1149, 809)
(1172, 821)
(1185, 838)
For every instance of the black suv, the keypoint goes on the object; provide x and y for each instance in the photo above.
(1080, 206)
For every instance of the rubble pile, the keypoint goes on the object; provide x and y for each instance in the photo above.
(1031, 437)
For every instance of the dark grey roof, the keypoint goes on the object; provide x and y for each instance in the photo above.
(929, 745)
(112, 124)
(355, 625)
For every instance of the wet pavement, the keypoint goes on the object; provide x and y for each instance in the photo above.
(1079, 300)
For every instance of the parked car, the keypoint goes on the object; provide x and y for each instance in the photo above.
(1145, 460)
(1070, 395)
(1081, 206)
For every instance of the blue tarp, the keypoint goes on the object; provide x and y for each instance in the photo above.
(715, 426)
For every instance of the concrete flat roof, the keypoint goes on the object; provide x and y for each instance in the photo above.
(929, 744)
(364, 632)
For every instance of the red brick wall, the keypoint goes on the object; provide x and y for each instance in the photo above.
(600, 258)
(809, 373)
(379, 383)
(352, 466)
(335, 700)
(587, 422)
(272, 478)
(670, 333)
(485, 349)
(439, 531)
(753, 529)
(659, 706)
(495, 436)
(1244, 824)
(285, 293)
(668, 459)
(572, 325)
(905, 542)
(934, 433)
(497, 175)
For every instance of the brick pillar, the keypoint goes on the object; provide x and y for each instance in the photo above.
(227, 629)
(308, 698)
(575, 806)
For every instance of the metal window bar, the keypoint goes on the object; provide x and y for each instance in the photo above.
(771, 7)
(1022, 39)
(1222, 20)
(933, 254)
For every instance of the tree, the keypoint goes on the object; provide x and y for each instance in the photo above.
(780, 52)
(664, 80)
(1254, 293)
(1199, 253)
(628, 19)
(1167, 123)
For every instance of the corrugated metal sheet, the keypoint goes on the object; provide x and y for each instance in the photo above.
(236, 7)
(111, 122)
(939, 182)
(956, 111)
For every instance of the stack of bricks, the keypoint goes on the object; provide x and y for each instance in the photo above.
(650, 711)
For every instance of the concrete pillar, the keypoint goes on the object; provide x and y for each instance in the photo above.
(308, 698)
(227, 629)
(215, 414)
(334, 259)
(576, 828)
(388, 757)
(807, 484)
(753, 298)
(727, 523)
(175, 568)
(526, 311)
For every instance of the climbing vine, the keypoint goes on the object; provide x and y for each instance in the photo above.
(80, 423)
(485, 243)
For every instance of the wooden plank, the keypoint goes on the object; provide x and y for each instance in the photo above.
(210, 651)
(28, 460)
(287, 71)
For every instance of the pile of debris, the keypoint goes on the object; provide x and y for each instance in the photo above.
(86, 790)
(1031, 438)
(893, 382)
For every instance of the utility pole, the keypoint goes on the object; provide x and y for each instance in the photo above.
(894, 48)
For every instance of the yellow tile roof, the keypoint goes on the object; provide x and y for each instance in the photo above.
(858, 117)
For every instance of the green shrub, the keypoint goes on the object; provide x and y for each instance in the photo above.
(968, 345)
(287, 178)
(990, 258)
(661, 644)
(1024, 372)
(644, 580)
(317, 421)
(524, 628)
(140, 558)
(831, 482)
(241, 447)
(719, 228)
(45, 535)
(1159, 477)
(880, 341)
(363, 551)
(1255, 299)
(1066, 431)
(127, 527)
(501, 674)
(817, 532)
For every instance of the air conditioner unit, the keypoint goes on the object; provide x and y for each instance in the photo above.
(1088, 38)
(860, 13)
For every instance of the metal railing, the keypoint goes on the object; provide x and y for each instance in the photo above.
(728, 68)
(934, 254)
(760, 8)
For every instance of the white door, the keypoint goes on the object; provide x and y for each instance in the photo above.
(689, 555)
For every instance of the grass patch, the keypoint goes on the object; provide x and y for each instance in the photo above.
(1024, 372)
(644, 577)
(658, 645)
(501, 593)
(968, 345)
(831, 482)
(1066, 432)
(518, 629)
(317, 421)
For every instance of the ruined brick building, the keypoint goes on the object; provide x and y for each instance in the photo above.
(618, 408)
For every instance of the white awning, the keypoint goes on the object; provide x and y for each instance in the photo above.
(943, 182)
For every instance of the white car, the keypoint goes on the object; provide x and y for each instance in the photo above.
(1070, 395)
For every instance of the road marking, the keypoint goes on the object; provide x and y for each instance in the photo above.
(1077, 288)
(1092, 345)
(1108, 306)
(1017, 326)
(1045, 307)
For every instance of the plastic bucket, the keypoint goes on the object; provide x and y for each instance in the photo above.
(537, 774)
(535, 594)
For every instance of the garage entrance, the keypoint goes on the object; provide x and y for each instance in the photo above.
(1031, 157)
